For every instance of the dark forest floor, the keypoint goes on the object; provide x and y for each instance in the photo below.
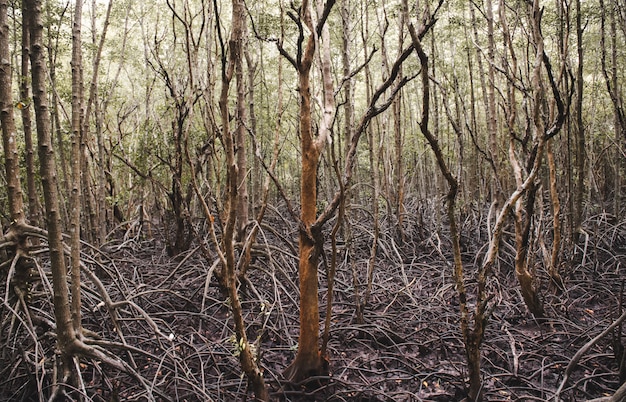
(177, 331)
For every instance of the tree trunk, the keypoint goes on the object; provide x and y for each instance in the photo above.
(34, 205)
(55, 123)
(526, 280)
(240, 138)
(308, 361)
(523, 215)
(581, 154)
(398, 147)
(374, 160)
(76, 162)
(255, 173)
(9, 137)
(63, 318)
(235, 64)
(472, 338)
(68, 341)
(553, 268)
(472, 350)
(619, 117)
(610, 77)
(96, 205)
(492, 125)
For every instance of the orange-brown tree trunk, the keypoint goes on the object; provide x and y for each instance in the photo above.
(308, 361)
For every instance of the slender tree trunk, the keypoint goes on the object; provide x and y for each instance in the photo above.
(581, 155)
(374, 160)
(56, 127)
(68, 342)
(383, 122)
(76, 162)
(553, 268)
(308, 361)
(492, 127)
(476, 192)
(240, 138)
(103, 176)
(523, 213)
(19, 273)
(34, 205)
(96, 206)
(9, 136)
(348, 106)
(255, 174)
(527, 281)
(398, 147)
(610, 77)
(109, 214)
(234, 65)
(472, 339)
(620, 118)
(63, 318)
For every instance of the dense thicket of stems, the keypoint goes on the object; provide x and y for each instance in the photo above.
(494, 130)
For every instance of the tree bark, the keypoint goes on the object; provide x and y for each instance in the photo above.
(581, 154)
(240, 139)
(9, 136)
(398, 147)
(66, 334)
(523, 213)
(19, 273)
(492, 125)
(553, 268)
(76, 159)
(55, 123)
(308, 361)
(471, 337)
(247, 358)
(34, 205)
(96, 206)
(610, 77)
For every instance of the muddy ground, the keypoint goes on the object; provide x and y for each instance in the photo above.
(175, 331)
